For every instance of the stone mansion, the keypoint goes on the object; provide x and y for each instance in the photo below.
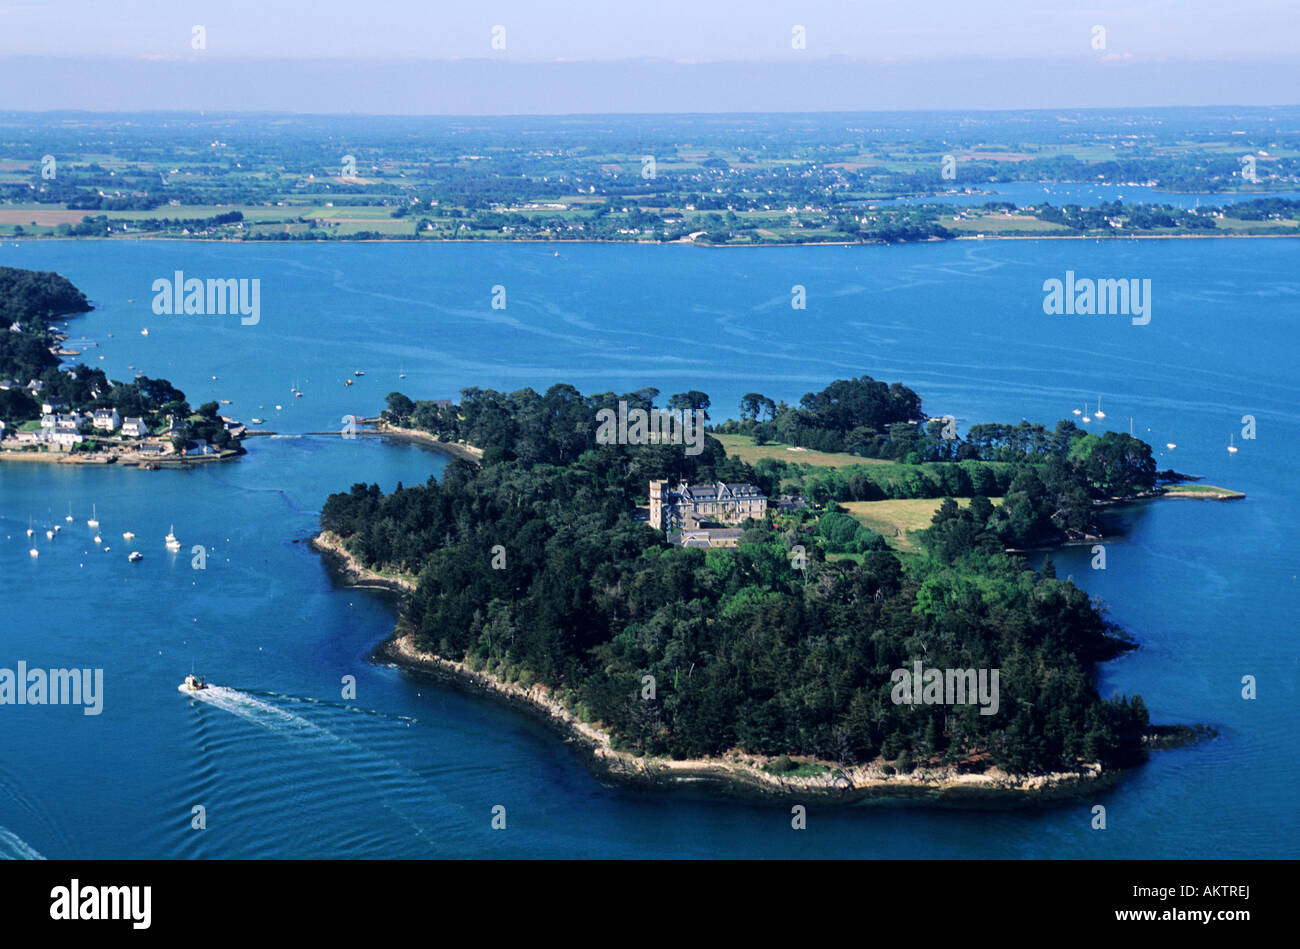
(694, 506)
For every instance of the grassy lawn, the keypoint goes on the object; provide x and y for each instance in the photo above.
(898, 520)
(1200, 491)
(743, 447)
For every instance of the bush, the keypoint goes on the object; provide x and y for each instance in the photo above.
(781, 764)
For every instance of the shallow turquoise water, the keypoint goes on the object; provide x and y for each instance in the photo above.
(286, 768)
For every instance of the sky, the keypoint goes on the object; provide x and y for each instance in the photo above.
(531, 56)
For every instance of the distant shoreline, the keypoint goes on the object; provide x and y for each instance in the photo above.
(675, 243)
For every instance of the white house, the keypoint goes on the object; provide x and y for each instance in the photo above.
(48, 420)
(54, 405)
(107, 420)
(67, 423)
(134, 428)
(63, 441)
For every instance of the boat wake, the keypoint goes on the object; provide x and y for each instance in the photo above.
(356, 762)
(13, 847)
(250, 708)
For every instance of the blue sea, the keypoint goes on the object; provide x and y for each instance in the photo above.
(284, 766)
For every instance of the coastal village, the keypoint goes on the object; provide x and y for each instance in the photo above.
(102, 436)
(70, 414)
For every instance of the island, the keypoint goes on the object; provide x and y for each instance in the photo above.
(74, 414)
(851, 622)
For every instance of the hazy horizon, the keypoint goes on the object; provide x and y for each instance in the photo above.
(583, 57)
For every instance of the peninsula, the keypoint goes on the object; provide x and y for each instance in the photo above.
(53, 412)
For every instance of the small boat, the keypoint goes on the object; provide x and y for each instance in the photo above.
(69, 517)
(358, 372)
(1078, 411)
(29, 527)
(33, 552)
(49, 535)
(1086, 417)
(1099, 413)
(94, 518)
(225, 401)
(297, 395)
(135, 556)
(1170, 445)
(257, 421)
(127, 535)
(193, 683)
(214, 378)
(170, 540)
(279, 407)
(144, 332)
(98, 539)
(1232, 448)
(347, 382)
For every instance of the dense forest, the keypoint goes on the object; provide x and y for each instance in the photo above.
(534, 567)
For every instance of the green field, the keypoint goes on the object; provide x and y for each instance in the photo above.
(898, 520)
(743, 447)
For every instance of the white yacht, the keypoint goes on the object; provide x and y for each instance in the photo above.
(172, 543)
(94, 518)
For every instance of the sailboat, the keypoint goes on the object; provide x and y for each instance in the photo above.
(1086, 417)
(172, 543)
(401, 372)
(69, 517)
(127, 535)
(33, 552)
(1232, 448)
(1099, 413)
(29, 526)
(94, 518)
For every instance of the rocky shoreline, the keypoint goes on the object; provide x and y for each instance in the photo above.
(743, 776)
(455, 449)
(736, 774)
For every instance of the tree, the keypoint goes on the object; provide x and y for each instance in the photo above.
(692, 401)
(399, 407)
(751, 403)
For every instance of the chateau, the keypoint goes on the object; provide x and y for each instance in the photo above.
(689, 507)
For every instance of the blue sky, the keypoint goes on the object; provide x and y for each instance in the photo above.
(933, 53)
